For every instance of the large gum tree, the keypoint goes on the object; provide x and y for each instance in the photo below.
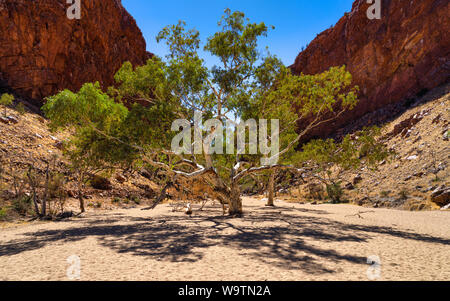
(133, 121)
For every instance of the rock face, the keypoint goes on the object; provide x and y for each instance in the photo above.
(42, 51)
(405, 53)
(441, 196)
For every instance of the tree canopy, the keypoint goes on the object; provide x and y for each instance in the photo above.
(6, 100)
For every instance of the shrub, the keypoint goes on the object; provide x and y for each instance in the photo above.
(436, 179)
(136, 200)
(20, 108)
(96, 204)
(6, 100)
(3, 213)
(335, 192)
(56, 185)
(116, 200)
(384, 193)
(403, 194)
(22, 205)
(315, 192)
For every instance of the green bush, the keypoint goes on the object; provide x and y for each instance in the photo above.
(335, 192)
(3, 213)
(136, 200)
(436, 179)
(385, 193)
(22, 205)
(96, 204)
(6, 100)
(116, 200)
(20, 108)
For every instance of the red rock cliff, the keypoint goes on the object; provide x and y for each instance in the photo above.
(42, 51)
(397, 57)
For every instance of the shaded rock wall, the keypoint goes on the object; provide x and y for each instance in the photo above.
(403, 54)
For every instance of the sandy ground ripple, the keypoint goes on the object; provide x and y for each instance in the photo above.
(289, 242)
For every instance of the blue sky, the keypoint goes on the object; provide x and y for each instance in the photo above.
(297, 22)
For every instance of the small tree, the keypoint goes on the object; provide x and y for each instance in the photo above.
(93, 117)
(330, 159)
(6, 100)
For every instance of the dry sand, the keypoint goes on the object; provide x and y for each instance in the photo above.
(289, 242)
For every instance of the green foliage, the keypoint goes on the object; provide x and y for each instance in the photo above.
(330, 159)
(22, 205)
(20, 108)
(316, 94)
(385, 193)
(281, 95)
(354, 152)
(335, 192)
(6, 100)
(90, 107)
(135, 199)
(3, 214)
(95, 120)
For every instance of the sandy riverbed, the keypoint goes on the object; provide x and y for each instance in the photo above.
(289, 242)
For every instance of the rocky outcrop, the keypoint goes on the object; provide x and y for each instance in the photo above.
(401, 55)
(42, 51)
(441, 196)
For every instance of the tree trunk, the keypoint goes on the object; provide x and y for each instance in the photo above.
(80, 198)
(161, 197)
(235, 208)
(271, 189)
(36, 206)
(44, 199)
(33, 189)
(80, 192)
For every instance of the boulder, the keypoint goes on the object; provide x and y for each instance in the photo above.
(356, 180)
(441, 196)
(349, 186)
(13, 119)
(100, 183)
(120, 178)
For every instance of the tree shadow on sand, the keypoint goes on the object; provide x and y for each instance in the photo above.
(275, 236)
